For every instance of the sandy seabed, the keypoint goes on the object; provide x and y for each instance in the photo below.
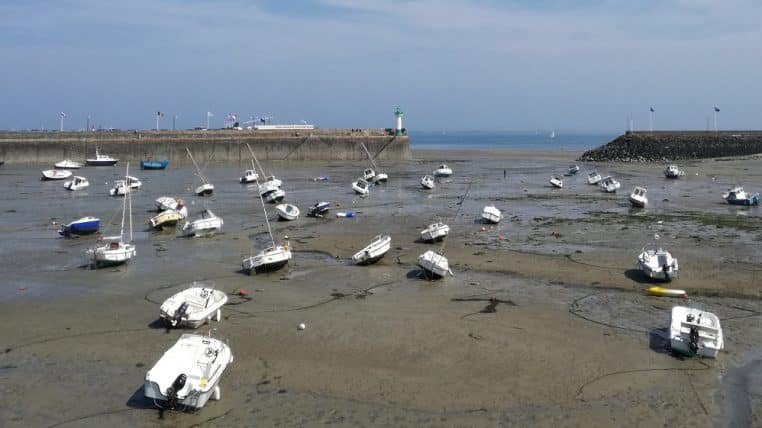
(545, 322)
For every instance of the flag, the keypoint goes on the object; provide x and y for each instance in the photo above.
(716, 109)
(209, 114)
(160, 114)
(652, 109)
(262, 119)
(62, 114)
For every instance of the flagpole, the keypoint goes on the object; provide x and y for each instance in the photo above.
(715, 119)
(651, 121)
(157, 121)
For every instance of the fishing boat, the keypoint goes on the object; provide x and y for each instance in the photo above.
(319, 209)
(193, 307)
(250, 175)
(374, 252)
(189, 373)
(373, 175)
(666, 292)
(738, 196)
(206, 188)
(638, 197)
(68, 164)
(101, 160)
(573, 169)
(609, 185)
(82, 226)
(490, 214)
(657, 263)
(443, 171)
(427, 182)
(116, 251)
(435, 232)
(55, 174)
(593, 177)
(77, 183)
(207, 225)
(287, 212)
(434, 265)
(556, 182)
(361, 187)
(695, 332)
(673, 171)
(166, 203)
(169, 218)
(154, 164)
(271, 258)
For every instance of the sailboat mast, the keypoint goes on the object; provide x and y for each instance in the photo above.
(198, 170)
(269, 230)
(462, 200)
(129, 195)
(373, 164)
(124, 202)
(255, 160)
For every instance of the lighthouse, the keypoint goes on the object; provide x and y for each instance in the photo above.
(398, 114)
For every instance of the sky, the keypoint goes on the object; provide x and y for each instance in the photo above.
(573, 66)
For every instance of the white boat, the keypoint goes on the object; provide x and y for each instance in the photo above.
(443, 171)
(368, 174)
(193, 307)
(673, 171)
(77, 183)
(120, 188)
(270, 182)
(116, 251)
(593, 177)
(361, 187)
(434, 265)
(435, 232)
(557, 181)
(166, 203)
(573, 169)
(738, 196)
(68, 164)
(427, 182)
(373, 175)
(207, 225)
(377, 248)
(380, 177)
(490, 214)
(55, 174)
(168, 218)
(609, 185)
(287, 212)
(250, 175)
(134, 182)
(274, 196)
(189, 373)
(695, 332)
(206, 188)
(101, 160)
(268, 186)
(657, 263)
(638, 197)
(271, 258)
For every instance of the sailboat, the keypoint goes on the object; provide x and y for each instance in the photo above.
(270, 189)
(206, 188)
(116, 251)
(434, 263)
(271, 258)
(552, 134)
(372, 174)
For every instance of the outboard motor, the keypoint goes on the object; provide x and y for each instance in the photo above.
(177, 385)
(180, 312)
(693, 339)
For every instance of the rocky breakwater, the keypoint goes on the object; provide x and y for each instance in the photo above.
(664, 146)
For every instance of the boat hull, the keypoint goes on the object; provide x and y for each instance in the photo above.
(695, 333)
(81, 227)
(751, 200)
(205, 190)
(94, 162)
(201, 306)
(203, 227)
(107, 256)
(147, 164)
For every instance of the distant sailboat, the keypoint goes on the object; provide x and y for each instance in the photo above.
(552, 134)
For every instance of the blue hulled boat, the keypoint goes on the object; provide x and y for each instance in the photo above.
(738, 196)
(319, 209)
(83, 226)
(152, 164)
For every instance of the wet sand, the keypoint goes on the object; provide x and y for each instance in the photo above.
(571, 340)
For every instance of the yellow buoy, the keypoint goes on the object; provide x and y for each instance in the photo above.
(666, 292)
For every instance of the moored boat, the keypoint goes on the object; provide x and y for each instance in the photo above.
(77, 183)
(434, 265)
(376, 250)
(490, 214)
(673, 171)
(609, 184)
(166, 203)
(638, 197)
(368, 174)
(205, 189)
(593, 177)
(319, 209)
(68, 164)
(154, 164)
(168, 218)
(573, 169)
(443, 171)
(427, 182)
(556, 182)
(267, 260)
(287, 212)
(274, 196)
(82, 226)
(695, 332)
(435, 232)
(657, 263)
(193, 307)
(361, 187)
(207, 225)
(101, 160)
(250, 175)
(738, 196)
(116, 250)
(56, 174)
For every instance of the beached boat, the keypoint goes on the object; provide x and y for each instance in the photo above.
(695, 332)
(101, 160)
(673, 171)
(373, 175)
(435, 232)
(250, 175)
(82, 226)
(380, 177)
(319, 209)
(55, 174)
(287, 212)
(168, 218)
(609, 185)
(68, 164)
(368, 174)
(270, 183)
(189, 373)
(434, 265)
(76, 183)
(443, 171)
(120, 188)
(573, 169)
(166, 203)
(556, 181)
(134, 182)
(206, 188)
(376, 250)
(154, 164)
(657, 263)
(593, 177)
(116, 251)
(427, 182)
(738, 196)
(361, 187)
(638, 197)
(666, 292)
(490, 214)
(207, 225)
(271, 258)
(193, 307)
(274, 196)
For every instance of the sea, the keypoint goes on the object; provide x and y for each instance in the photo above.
(490, 140)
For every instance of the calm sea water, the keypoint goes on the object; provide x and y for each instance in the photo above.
(506, 140)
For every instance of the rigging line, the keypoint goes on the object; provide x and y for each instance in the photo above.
(460, 206)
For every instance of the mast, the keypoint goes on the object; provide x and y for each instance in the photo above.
(269, 230)
(124, 202)
(257, 161)
(198, 170)
(129, 195)
(373, 164)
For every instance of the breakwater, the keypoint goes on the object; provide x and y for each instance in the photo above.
(664, 146)
(224, 145)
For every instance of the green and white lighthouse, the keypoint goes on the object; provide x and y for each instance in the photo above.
(398, 113)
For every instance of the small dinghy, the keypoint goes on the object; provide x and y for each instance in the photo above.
(657, 263)
(666, 292)
(101, 160)
(609, 185)
(573, 169)
(319, 209)
(557, 182)
(268, 186)
(376, 250)
(55, 174)
(443, 171)
(361, 187)
(380, 177)
(368, 174)
(435, 232)
(427, 182)
(638, 197)
(120, 188)
(82, 226)
(593, 177)
(738, 196)
(134, 182)
(672, 171)
(168, 218)
(695, 332)
(193, 307)
(490, 214)
(166, 203)
(249, 176)
(205, 189)
(267, 260)
(68, 164)
(274, 196)
(434, 265)
(189, 373)
(207, 225)
(372, 175)
(77, 183)
(153, 164)
(287, 212)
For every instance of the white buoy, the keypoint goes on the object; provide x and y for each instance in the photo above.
(301, 327)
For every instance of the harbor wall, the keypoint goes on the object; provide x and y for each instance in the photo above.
(665, 146)
(217, 145)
